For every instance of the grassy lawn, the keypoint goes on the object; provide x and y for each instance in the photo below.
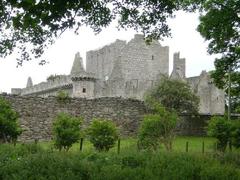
(130, 144)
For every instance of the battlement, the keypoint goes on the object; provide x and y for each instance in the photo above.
(60, 81)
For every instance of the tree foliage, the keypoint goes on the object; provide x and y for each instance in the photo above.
(157, 128)
(235, 133)
(103, 134)
(9, 127)
(220, 128)
(66, 130)
(39, 22)
(173, 94)
(220, 26)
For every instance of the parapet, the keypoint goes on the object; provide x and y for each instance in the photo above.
(16, 91)
(59, 82)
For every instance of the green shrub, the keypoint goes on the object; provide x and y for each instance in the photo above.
(66, 130)
(46, 166)
(235, 133)
(157, 128)
(62, 96)
(103, 134)
(220, 128)
(9, 127)
(101, 166)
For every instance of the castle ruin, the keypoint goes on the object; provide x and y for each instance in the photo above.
(127, 70)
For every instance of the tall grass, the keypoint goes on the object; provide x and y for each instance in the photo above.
(33, 162)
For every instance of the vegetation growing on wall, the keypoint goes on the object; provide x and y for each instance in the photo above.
(53, 77)
(63, 96)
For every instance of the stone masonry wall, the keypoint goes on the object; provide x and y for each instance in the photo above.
(37, 115)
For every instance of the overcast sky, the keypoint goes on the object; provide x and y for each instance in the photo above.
(185, 39)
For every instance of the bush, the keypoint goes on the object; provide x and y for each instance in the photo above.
(220, 128)
(157, 128)
(9, 127)
(134, 166)
(66, 131)
(235, 133)
(103, 134)
(62, 96)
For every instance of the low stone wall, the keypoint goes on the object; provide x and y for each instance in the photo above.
(37, 115)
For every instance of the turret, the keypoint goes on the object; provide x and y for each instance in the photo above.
(178, 67)
(29, 82)
(77, 67)
(83, 82)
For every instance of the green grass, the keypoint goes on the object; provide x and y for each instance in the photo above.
(195, 145)
(130, 144)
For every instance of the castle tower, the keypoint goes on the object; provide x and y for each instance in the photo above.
(83, 82)
(29, 82)
(178, 67)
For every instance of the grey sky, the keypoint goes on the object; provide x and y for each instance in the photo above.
(185, 39)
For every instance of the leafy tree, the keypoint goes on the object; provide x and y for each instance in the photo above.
(220, 26)
(175, 95)
(157, 128)
(66, 130)
(220, 128)
(39, 22)
(9, 127)
(103, 134)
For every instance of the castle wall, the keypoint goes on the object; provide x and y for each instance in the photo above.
(143, 62)
(83, 89)
(100, 62)
(50, 87)
(54, 92)
(37, 115)
(217, 100)
(211, 98)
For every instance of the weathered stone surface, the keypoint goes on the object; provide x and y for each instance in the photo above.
(37, 115)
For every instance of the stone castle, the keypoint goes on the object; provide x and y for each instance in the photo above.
(128, 70)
